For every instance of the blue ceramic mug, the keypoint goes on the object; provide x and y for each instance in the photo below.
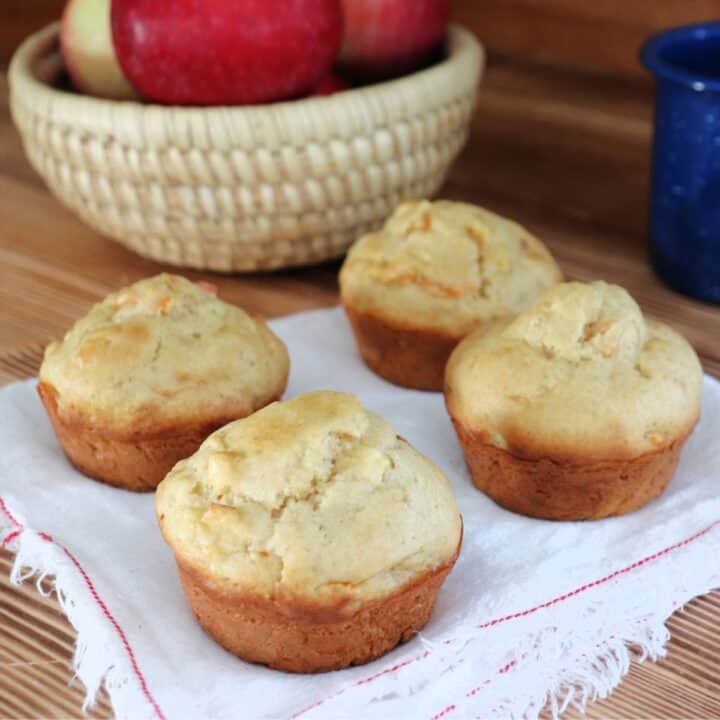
(685, 194)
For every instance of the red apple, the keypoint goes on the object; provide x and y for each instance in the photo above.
(332, 83)
(208, 287)
(226, 52)
(87, 49)
(387, 38)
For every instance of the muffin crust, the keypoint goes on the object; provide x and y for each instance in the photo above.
(431, 275)
(266, 519)
(142, 379)
(446, 266)
(574, 407)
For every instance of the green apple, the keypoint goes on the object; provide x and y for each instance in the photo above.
(88, 51)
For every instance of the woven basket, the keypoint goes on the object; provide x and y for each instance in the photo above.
(244, 188)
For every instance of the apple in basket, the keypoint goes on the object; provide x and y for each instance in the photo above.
(226, 52)
(87, 47)
(332, 83)
(388, 38)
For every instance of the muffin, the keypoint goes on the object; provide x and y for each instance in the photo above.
(578, 408)
(431, 275)
(309, 536)
(150, 372)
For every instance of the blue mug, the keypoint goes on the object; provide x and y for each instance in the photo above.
(685, 193)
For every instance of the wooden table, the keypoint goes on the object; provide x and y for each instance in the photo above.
(566, 154)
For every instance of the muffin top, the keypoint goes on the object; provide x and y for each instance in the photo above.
(163, 350)
(445, 266)
(580, 374)
(313, 502)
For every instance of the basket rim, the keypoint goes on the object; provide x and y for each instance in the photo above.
(465, 52)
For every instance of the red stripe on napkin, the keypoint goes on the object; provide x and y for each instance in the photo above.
(100, 602)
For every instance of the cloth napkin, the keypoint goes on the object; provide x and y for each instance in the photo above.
(534, 611)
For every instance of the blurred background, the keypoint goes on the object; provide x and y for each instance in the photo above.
(601, 36)
(562, 133)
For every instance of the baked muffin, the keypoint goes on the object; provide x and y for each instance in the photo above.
(431, 275)
(578, 408)
(309, 536)
(150, 372)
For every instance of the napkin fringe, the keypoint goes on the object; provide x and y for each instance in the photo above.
(596, 675)
(102, 654)
(568, 652)
(588, 663)
(548, 667)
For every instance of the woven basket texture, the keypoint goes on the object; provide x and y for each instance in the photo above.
(244, 188)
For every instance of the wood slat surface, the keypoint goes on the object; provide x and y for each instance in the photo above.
(563, 153)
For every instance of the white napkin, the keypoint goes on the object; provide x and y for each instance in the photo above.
(533, 611)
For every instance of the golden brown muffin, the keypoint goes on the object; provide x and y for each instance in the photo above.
(578, 408)
(431, 275)
(309, 536)
(150, 372)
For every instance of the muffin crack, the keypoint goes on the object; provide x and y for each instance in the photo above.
(315, 499)
(156, 351)
(319, 488)
(164, 352)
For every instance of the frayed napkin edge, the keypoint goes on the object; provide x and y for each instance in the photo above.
(104, 656)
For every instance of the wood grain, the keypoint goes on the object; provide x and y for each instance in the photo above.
(601, 36)
(18, 18)
(36, 646)
(563, 153)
